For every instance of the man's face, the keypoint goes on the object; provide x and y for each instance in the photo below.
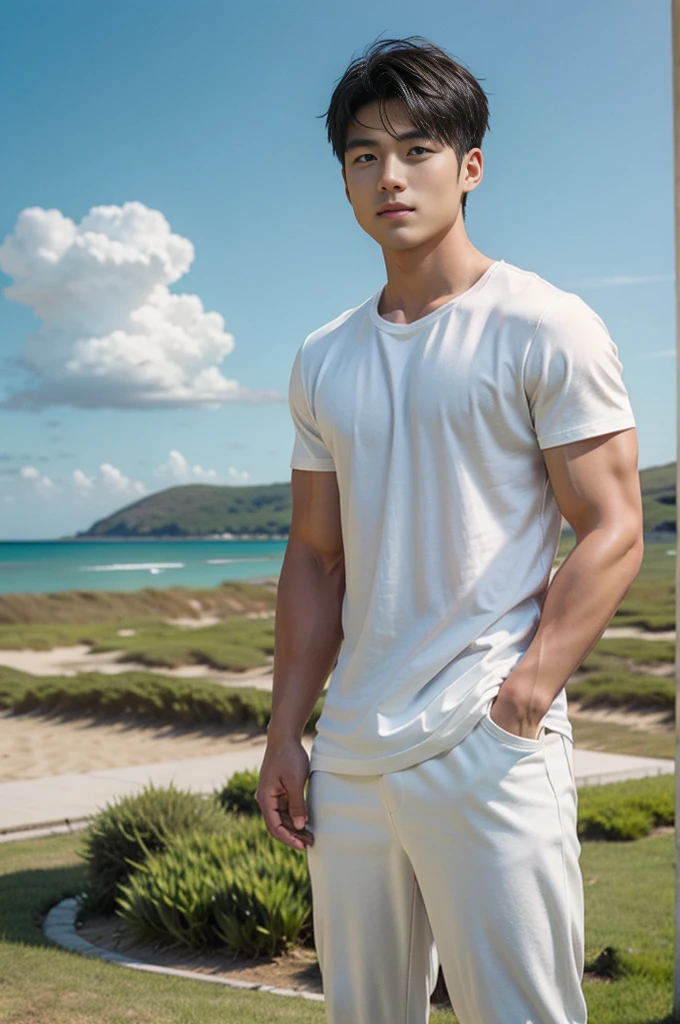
(418, 172)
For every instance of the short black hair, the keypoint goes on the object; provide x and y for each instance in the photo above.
(442, 98)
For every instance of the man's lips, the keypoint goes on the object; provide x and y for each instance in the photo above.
(395, 214)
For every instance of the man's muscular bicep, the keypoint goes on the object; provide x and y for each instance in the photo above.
(316, 520)
(596, 481)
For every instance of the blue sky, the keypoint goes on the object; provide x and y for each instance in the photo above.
(209, 113)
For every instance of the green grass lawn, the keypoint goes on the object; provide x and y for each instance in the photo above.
(629, 906)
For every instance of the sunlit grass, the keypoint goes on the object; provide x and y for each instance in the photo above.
(629, 906)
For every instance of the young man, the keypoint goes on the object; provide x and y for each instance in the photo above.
(443, 428)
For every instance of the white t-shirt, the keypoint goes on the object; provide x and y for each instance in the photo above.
(449, 522)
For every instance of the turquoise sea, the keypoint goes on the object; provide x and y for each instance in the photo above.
(46, 566)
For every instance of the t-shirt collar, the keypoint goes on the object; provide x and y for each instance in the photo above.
(425, 321)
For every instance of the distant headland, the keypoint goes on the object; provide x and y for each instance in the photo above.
(263, 512)
(200, 512)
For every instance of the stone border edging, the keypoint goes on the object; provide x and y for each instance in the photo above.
(59, 827)
(59, 927)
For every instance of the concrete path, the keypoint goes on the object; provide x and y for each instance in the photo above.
(63, 802)
(593, 768)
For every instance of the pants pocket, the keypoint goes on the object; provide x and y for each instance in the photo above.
(509, 739)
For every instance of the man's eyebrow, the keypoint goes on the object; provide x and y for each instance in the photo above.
(415, 133)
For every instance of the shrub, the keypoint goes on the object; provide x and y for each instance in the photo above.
(265, 902)
(242, 891)
(626, 810)
(624, 690)
(238, 796)
(121, 836)
(141, 695)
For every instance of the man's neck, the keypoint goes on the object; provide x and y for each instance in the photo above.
(419, 280)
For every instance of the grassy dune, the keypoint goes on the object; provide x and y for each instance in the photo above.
(233, 645)
(619, 673)
(617, 738)
(238, 642)
(88, 607)
(141, 696)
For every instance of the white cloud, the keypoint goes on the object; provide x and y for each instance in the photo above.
(81, 481)
(178, 468)
(621, 281)
(110, 485)
(42, 485)
(117, 483)
(240, 478)
(111, 333)
(110, 481)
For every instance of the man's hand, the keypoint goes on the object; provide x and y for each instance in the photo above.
(280, 792)
(518, 709)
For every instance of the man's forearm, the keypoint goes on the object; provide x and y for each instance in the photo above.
(581, 600)
(307, 636)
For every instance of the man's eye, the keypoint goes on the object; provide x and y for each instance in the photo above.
(371, 155)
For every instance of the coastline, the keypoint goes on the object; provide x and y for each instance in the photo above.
(164, 538)
(121, 563)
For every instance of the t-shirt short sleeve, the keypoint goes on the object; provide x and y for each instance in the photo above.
(309, 449)
(573, 376)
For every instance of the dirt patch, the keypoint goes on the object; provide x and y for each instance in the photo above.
(298, 969)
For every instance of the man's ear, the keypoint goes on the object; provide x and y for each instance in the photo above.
(473, 166)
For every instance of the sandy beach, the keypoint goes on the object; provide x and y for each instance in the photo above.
(33, 745)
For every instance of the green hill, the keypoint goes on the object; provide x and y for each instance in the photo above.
(658, 498)
(198, 510)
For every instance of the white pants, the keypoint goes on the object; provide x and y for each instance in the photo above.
(471, 859)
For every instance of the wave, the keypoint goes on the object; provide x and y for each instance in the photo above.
(225, 561)
(127, 566)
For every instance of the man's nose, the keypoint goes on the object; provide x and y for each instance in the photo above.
(392, 173)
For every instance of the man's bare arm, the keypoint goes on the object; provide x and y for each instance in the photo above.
(307, 638)
(596, 485)
(308, 630)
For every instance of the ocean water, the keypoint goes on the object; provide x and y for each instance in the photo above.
(47, 566)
